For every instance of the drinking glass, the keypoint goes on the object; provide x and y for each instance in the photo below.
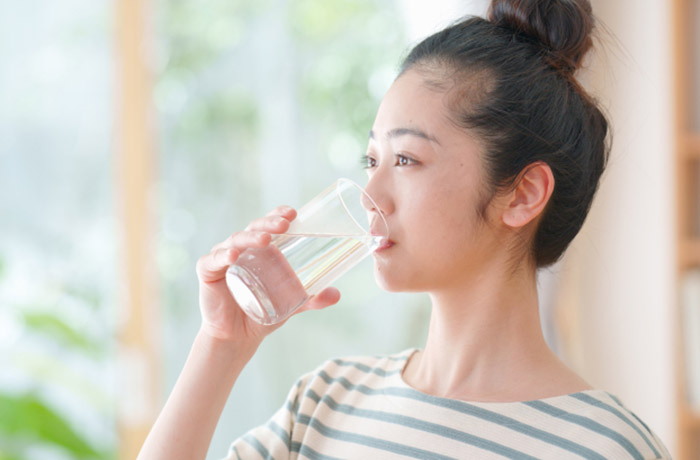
(331, 234)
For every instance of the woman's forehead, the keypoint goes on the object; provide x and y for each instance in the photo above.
(410, 103)
(413, 105)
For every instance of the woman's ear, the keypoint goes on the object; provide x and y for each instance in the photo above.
(530, 196)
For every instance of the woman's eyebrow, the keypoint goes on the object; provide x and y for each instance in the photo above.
(397, 132)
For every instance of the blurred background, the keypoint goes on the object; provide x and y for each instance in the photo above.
(134, 135)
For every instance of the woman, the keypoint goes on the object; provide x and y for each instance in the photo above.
(484, 159)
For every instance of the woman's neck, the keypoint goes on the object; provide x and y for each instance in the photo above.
(485, 343)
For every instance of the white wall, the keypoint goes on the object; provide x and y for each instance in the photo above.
(619, 273)
(425, 18)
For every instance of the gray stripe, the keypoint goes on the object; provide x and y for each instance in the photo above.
(600, 404)
(587, 423)
(366, 369)
(295, 407)
(422, 425)
(466, 408)
(313, 455)
(619, 403)
(280, 432)
(253, 441)
(376, 443)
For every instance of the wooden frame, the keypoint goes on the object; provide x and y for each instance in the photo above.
(687, 202)
(139, 328)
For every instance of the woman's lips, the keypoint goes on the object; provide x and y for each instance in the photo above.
(384, 245)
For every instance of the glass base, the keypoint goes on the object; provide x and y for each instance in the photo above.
(250, 295)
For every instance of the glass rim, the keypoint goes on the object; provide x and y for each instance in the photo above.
(371, 200)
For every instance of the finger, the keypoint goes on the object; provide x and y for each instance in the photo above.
(276, 221)
(281, 215)
(241, 239)
(212, 267)
(326, 298)
(273, 224)
(287, 212)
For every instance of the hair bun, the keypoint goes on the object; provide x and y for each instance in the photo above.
(563, 27)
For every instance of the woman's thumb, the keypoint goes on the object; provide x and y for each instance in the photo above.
(323, 299)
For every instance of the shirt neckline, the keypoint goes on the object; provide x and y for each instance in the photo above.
(396, 379)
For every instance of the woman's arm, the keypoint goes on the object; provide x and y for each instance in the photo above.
(224, 344)
(186, 425)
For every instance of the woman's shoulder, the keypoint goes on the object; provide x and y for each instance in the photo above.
(602, 418)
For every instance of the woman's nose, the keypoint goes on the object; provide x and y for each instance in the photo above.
(367, 202)
(375, 198)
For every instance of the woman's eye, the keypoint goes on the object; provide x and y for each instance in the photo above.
(368, 162)
(402, 160)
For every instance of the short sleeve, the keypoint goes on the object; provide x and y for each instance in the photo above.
(274, 438)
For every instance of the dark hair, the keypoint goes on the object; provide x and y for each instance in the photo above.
(513, 85)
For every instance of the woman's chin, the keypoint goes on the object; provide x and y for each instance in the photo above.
(389, 281)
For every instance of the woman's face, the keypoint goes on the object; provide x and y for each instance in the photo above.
(425, 175)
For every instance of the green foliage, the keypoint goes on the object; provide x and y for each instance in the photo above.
(25, 419)
(319, 20)
(350, 46)
(28, 422)
(88, 295)
(196, 33)
(214, 115)
(8, 456)
(218, 113)
(54, 327)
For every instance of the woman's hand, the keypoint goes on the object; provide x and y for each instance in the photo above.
(221, 316)
(224, 345)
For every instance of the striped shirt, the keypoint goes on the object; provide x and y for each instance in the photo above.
(362, 409)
